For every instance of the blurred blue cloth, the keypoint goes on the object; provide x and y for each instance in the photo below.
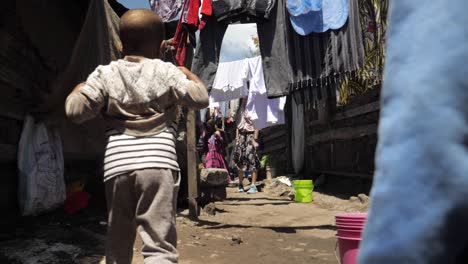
(419, 205)
(308, 16)
(300, 7)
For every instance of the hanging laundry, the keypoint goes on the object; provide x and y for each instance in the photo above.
(189, 23)
(206, 10)
(203, 115)
(318, 16)
(262, 111)
(181, 36)
(265, 112)
(208, 48)
(292, 62)
(231, 81)
(224, 109)
(212, 103)
(206, 57)
(374, 25)
(233, 107)
(168, 10)
(229, 9)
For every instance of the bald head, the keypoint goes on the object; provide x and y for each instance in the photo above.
(141, 33)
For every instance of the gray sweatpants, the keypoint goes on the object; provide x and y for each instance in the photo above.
(143, 200)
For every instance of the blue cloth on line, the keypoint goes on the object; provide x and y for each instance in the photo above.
(309, 16)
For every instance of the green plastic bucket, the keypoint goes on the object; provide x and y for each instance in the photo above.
(303, 191)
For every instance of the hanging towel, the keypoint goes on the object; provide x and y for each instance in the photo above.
(230, 82)
(309, 16)
(262, 111)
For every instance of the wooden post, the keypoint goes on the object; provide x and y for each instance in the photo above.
(192, 172)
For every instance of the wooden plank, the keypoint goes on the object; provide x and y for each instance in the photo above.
(275, 135)
(11, 109)
(15, 116)
(275, 147)
(192, 172)
(345, 174)
(343, 133)
(361, 110)
(8, 153)
(357, 111)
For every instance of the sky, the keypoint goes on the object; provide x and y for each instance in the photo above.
(237, 42)
(132, 4)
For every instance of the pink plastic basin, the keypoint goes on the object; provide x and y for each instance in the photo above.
(349, 249)
(352, 216)
(349, 233)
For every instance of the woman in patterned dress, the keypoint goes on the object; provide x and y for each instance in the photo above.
(245, 155)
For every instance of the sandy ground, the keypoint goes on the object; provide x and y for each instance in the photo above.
(245, 229)
(272, 230)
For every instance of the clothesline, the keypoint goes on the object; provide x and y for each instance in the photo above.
(245, 79)
(304, 45)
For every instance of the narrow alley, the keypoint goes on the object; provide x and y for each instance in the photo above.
(256, 228)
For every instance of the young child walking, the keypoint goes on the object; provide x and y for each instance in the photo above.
(139, 98)
(214, 145)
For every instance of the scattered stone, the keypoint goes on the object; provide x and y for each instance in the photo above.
(278, 187)
(214, 177)
(197, 243)
(219, 193)
(196, 237)
(363, 198)
(236, 240)
(344, 205)
(354, 199)
(210, 209)
(39, 251)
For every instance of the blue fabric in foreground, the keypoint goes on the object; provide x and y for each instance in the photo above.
(419, 205)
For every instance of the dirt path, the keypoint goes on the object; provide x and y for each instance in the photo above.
(255, 228)
(246, 229)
